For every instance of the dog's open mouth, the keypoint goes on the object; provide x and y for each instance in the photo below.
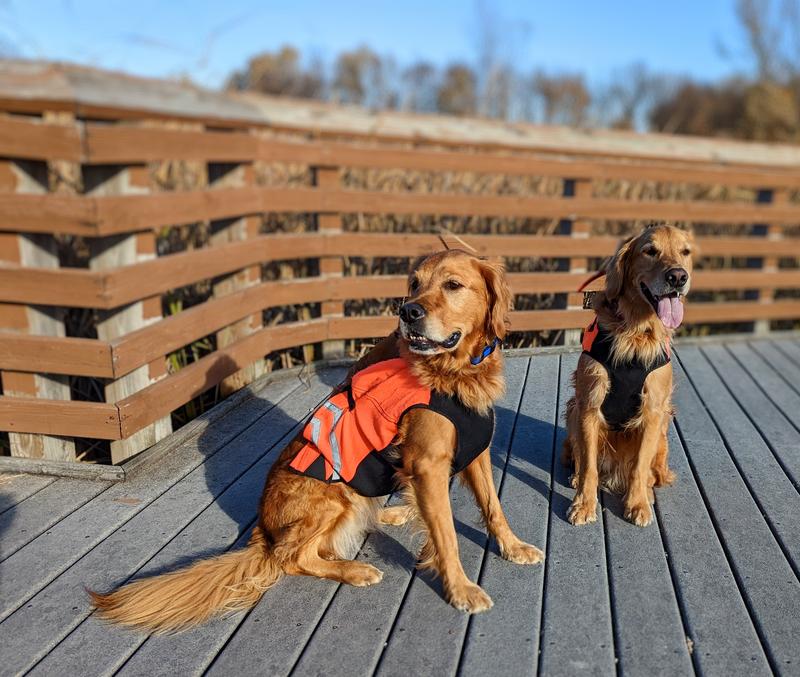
(422, 344)
(668, 307)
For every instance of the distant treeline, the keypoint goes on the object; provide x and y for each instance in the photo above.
(763, 105)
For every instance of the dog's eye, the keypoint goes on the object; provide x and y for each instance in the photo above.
(453, 285)
(686, 252)
(414, 285)
(651, 251)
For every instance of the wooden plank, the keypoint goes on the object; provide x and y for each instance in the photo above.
(577, 636)
(220, 525)
(514, 621)
(61, 418)
(55, 355)
(108, 553)
(71, 288)
(116, 215)
(649, 635)
(30, 179)
(68, 214)
(777, 376)
(163, 397)
(718, 626)
(111, 253)
(721, 383)
(34, 140)
(47, 507)
(143, 345)
(97, 472)
(222, 232)
(767, 581)
(42, 560)
(743, 372)
(127, 144)
(791, 349)
(15, 488)
(227, 519)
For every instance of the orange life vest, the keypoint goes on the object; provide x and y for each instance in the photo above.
(348, 436)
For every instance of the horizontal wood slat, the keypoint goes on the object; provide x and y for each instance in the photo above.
(53, 417)
(33, 140)
(110, 289)
(166, 395)
(109, 215)
(55, 355)
(126, 144)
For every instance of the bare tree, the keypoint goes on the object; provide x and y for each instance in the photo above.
(280, 73)
(419, 87)
(457, 94)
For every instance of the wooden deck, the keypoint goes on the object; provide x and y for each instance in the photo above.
(711, 588)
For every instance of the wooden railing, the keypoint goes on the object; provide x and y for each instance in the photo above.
(118, 214)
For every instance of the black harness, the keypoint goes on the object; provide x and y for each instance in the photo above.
(624, 398)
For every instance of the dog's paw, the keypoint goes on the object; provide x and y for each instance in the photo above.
(522, 553)
(582, 512)
(641, 514)
(574, 480)
(396, 515)
(470, 598)
(361, 574)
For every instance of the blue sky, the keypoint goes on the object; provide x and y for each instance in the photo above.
(207, 40)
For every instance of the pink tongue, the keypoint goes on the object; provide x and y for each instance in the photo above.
(670, 312)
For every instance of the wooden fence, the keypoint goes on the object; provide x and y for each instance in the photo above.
(117, 214)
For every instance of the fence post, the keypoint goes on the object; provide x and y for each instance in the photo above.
(235, 175)
(39, 251)
(578, 229)
(328, 177)
(110, 253)
(768, 264)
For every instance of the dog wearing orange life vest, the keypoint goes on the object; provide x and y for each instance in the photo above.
(412, 412)
(617, 421)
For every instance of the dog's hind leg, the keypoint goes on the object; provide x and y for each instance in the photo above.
(396, 515)
(662, 475)
(478, 476)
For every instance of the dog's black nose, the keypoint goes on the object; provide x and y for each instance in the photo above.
(677, 278)
(411, 312)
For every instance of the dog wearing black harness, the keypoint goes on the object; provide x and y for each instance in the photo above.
(617, 421)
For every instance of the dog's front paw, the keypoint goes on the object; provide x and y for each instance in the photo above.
(469, 597)
(361, 574)
(640, 514)
(582, 511)
(521, 553)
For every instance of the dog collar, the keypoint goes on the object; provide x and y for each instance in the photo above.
(488, 350)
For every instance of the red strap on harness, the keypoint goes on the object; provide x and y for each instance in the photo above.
(594, 276)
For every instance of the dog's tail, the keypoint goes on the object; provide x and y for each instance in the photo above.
(190, 596)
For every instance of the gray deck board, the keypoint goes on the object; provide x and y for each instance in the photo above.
(506, 640)
(710, 588)
(577, 637)
(766, 579)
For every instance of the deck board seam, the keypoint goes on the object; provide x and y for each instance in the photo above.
(787, 355)
(750, 490)
(499, 489)
(795, 483)
(615, 639)
(130, 517)
(728, 557)
(548, 531)
(50, 526)
(679, 602)
(792, 386)
(14, 505)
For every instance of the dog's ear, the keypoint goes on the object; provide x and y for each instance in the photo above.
(501, 300)
(617, 268)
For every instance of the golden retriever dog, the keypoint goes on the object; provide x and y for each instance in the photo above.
(617, 421)
(454, 316)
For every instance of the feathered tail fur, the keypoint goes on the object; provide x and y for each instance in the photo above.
(190, 596)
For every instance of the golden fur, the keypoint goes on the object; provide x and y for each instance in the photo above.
(633, 460)
(309, 527)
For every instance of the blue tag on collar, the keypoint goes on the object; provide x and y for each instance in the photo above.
(488, 350)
